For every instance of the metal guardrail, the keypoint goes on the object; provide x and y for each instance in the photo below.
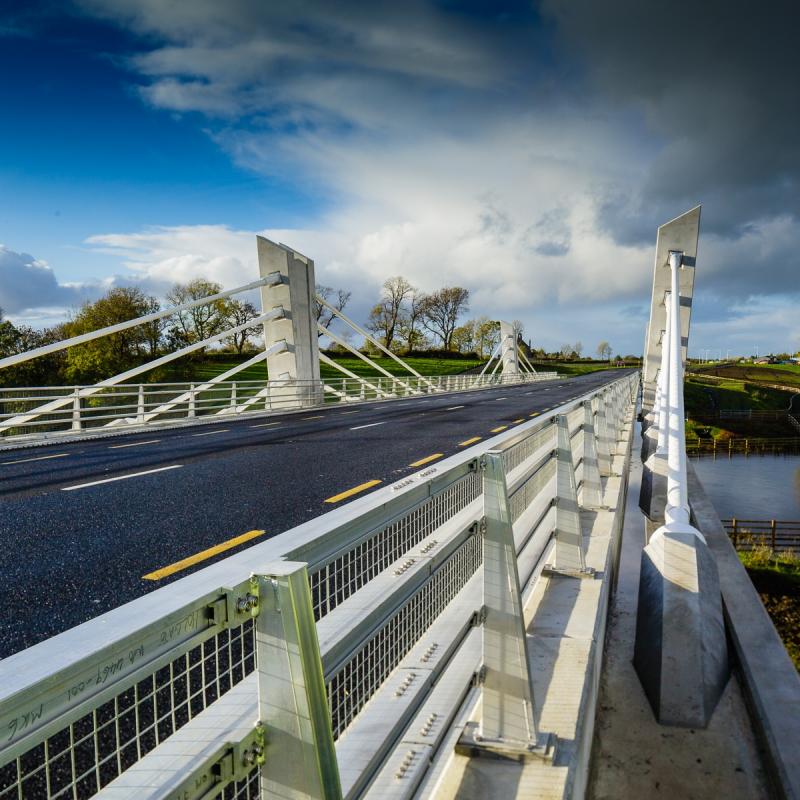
(780, 536)
(128, 405)
(392, 581)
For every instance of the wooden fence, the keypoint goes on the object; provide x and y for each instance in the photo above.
(744, 446)
(780, 536)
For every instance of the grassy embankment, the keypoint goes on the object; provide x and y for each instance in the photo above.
(707, 390)
(777, 581)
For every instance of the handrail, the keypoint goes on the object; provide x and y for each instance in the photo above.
(78, 410)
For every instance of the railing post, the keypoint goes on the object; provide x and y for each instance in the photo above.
(140, 404)
(569, 557)
(772, 531)
(233, 396)
(299, 759)
(507, 725)
(735, 532)
(192, 410)
(76, 409)
(603, 449)
(592, 489)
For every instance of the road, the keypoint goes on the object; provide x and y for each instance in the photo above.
(87, 526)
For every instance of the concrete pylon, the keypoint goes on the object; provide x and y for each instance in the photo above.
(680, 654)
(508, 348)
(296, 369)
(680, 234)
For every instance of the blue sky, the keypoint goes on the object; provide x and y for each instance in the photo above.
(526, 151)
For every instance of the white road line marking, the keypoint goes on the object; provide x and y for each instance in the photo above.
(453, 408)
(501, 398)
(350, 412)
(527, 393)
(265, 425)
(119, 478)
(134, 444)
(38, 458)
(371, 425)
(211, 433)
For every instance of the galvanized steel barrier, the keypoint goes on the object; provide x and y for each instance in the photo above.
(329, 661)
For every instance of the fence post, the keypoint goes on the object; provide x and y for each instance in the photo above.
(772, 530)
(140, 404)
(192, 409)
(603, 449)
(735, 532)
(569, 556)
(76, 409)
(592, 489)
(299, 759)
(507, 725)
(233, 396)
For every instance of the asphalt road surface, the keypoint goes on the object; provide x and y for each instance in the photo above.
(87, 526)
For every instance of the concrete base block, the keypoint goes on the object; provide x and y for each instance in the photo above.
(681, 653)
(653, 491)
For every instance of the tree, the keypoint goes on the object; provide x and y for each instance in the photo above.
(442, 310)
(324, 315)
(565, 351)
(153, 330)
(487, 336)
(201, 322)
(386, 317)
(107, 355)
(412, 320)
(604, 350)
(578, 348)
(464, 337)
(240, 312)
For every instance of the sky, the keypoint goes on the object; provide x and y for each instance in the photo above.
(525, 150)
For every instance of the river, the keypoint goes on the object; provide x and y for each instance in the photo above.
(752, 487)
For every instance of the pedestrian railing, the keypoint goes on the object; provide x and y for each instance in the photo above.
(780, 536)
(296, 666)
(127, 405)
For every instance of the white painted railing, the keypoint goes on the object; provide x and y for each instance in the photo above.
(294, 667)
(39, 411)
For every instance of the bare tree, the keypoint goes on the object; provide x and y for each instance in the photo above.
(385, 318)
(578, 348)
(324, 315)
(604, 350)
(412, 320)
(442, 310)
(239, 312)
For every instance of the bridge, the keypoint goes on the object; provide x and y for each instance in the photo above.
(487, 585)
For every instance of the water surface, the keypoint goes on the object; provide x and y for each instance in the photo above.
(752, 487)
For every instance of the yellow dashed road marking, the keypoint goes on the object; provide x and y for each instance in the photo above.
(498, 429)
(469, 441)
(350, 492)
(425, 460)
(165, 572)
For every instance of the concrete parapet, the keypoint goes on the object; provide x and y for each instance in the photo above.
(681, 653)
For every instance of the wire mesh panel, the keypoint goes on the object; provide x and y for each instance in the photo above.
(525, 494)
(77, 761)
(520, 452)
(347, 573)
(353, 684)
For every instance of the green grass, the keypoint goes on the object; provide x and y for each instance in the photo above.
(776, 577)
(214, 364)
(571, 368)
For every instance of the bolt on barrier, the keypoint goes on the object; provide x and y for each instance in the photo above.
(360, 622)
